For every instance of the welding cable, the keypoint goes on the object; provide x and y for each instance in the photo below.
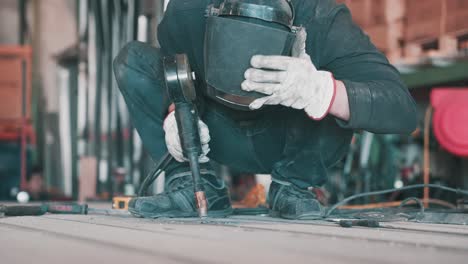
(414, 199)
(395, 204)
(409, 187)
(155, 172)
(427, 160)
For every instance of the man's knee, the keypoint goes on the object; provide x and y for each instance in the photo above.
(137, 58)
(120, 63)
(125, 58)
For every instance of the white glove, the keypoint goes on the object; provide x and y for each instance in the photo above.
(295, 82)
(173, 141)
(299, 46)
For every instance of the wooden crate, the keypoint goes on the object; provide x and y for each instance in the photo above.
(15, 83)
(371, 13)
(382, 20)
(456, 17)
(423, 20)
(432, 19)
(387, 38)
(412, 28)
(438, 24)
(443, 46)
(15, 99)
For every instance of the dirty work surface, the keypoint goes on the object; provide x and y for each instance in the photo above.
(77, 239)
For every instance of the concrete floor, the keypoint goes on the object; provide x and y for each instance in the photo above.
(77, 239)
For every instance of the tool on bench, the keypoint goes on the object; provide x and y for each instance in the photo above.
(359, 222)
(350, 222)
(181, 89)
(55, 208)
(75, 208)
(21, 210)
(121, 202)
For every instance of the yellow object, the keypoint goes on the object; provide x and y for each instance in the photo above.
(121, 202)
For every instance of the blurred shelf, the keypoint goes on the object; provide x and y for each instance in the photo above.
(432, 75)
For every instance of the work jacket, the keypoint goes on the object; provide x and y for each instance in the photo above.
(379, 101)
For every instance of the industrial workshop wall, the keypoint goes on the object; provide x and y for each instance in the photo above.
(101, 153)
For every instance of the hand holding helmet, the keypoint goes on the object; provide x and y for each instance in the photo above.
(235, 31)
(294, 82)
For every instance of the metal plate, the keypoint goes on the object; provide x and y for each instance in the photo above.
(178, 78)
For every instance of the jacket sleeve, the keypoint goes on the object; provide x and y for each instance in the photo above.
(167, 30)
(379, 101)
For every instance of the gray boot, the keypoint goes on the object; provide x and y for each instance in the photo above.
(288, 201)
(178, 200)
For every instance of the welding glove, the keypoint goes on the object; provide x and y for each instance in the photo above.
(173, 141)
(291, 81)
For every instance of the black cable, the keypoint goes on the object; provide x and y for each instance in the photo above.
(417, 200)
(155, 172)
(410, 187)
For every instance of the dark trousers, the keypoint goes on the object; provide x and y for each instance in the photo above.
(279, 141)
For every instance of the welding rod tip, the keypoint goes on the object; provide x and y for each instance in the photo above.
(202, 212)
(202, 205)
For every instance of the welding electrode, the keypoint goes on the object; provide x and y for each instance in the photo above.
(187, 123)
(181, 90)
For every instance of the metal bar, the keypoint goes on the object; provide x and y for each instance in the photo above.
(23, 183)
(98, 91)
(22, 21)
(131, 19)
(106, 98)
(81, 107)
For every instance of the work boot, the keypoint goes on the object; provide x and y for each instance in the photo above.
(178, 200)
(290, 202)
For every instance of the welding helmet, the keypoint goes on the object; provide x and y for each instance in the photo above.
(235, 31)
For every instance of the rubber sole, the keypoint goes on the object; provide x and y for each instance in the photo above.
(178, 214)
(311, 216)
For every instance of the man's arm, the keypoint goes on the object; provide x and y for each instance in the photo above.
(340, 106)
(377, 99)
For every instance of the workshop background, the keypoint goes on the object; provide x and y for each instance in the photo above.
(65, 132)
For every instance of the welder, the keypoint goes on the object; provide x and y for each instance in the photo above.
(281, 87)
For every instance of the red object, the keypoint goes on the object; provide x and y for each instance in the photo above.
(15, 99)
(450, 119)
